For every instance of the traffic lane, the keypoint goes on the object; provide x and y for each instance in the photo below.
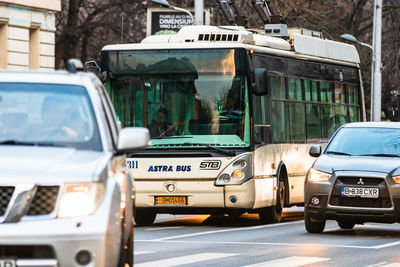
(285, 248)
(170, 225)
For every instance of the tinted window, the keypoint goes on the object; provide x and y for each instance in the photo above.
(295, 89)
(48, 114)
(280, 121)
(297, 125)
(313, 122)
(328, 120)
(278, 88)
(365, 141)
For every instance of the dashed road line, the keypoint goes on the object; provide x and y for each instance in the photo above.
(227, 230)
(294, 261)
(184, 260)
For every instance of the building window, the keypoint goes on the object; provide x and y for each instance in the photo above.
(34, 48)
(3, 46)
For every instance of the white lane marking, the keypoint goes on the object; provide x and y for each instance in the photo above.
(164, 228)
(227, 230)
(294, 261)
(384, 264)
(377, 264)
(387, 245)
(185, 259)
(256, 243)
(136, 253)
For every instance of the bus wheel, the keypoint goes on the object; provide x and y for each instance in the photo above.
(144, 217)
(274, 214)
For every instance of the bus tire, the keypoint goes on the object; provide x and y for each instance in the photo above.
(144, 217)
(313, 227)
(274, 214)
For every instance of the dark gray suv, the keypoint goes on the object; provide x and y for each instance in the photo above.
(356, 179)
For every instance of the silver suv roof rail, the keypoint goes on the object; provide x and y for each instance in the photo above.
(74, 65)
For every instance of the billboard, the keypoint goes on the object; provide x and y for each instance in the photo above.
(166, 21)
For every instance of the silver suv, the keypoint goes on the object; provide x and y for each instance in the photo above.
(66, 197)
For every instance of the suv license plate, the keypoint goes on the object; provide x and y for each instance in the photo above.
(360, 192)
(7, 263)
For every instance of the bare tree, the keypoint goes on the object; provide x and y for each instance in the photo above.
(85, 26)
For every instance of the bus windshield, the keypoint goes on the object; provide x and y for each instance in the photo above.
(186, 98)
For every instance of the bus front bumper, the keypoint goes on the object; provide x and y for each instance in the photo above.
(205, 195)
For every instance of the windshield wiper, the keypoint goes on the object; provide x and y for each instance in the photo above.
(382, 155)
(220, 150)
(22, 143)
(338, 153)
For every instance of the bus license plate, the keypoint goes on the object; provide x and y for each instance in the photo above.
(360, 192)
(170, 200)
(7, 263)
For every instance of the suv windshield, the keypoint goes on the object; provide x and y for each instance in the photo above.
(186, 98)
(48, 115)
(378, 142)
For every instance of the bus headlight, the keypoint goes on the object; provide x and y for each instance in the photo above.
(80, 199)
(315, 176)
(237, 172)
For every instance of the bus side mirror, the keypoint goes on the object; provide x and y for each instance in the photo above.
(315, 151)
(260, 85)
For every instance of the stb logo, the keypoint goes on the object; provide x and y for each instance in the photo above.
(360, 181)
(210, 165)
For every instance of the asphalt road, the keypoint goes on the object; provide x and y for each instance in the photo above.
(218, 241)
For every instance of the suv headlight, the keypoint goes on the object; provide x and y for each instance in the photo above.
(237, 172)
(80, 199)
(315, 176)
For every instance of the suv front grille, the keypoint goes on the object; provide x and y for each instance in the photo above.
(44, 200)
(383, 201)
(6, 193)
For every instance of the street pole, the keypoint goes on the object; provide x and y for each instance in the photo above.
(377, 108)
(198, 12)
(373, 63)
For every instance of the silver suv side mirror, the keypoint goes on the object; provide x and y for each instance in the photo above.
(131, 138)
(315, 151)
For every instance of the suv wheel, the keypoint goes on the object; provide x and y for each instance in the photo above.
(346, 224)
(126, 251)
(144, 217)
(314, 227)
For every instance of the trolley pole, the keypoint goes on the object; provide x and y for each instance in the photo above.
(377, 88)
(198, 12)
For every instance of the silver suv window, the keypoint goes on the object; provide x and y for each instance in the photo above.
(47, 114)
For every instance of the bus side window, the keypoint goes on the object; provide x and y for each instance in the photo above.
(280, 119)
(261, 120)
(313, 122)
(297, 124)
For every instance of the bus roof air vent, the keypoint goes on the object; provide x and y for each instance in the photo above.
(214, 34)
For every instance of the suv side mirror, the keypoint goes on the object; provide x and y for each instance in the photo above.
(260, 85)
(131, 138)
(315, 151)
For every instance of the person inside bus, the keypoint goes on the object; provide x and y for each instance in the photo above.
(160, 126)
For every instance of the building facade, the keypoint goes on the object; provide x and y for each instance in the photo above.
(27, 33)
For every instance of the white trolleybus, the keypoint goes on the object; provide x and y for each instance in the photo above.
(232, 115)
